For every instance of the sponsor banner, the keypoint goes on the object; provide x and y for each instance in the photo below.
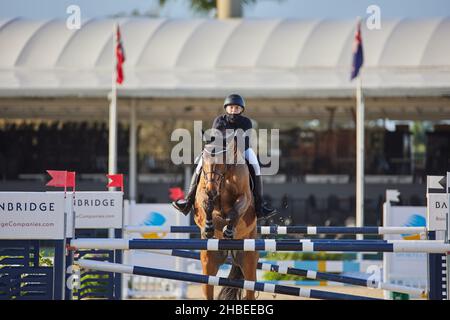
(404, 267)
(437, 211)
(161, 215)
(31, 215)
(94, 209)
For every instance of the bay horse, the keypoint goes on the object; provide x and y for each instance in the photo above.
(224, 209)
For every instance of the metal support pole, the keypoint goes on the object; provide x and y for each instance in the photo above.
(133, 152)
(112, 145)
(359, 156)
(447, 236)
(112, 150)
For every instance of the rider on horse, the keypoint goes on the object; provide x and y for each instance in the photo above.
(234, 106)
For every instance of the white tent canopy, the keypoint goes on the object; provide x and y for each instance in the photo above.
(208, 58)
(289, 68)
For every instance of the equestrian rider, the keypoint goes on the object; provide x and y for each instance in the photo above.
(234, 106)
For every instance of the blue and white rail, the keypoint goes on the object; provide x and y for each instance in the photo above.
(265, 230)
(425, 246)
(311, 274)
(216, 281)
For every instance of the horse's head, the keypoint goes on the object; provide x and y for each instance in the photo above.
(213, 170)
(217, 156)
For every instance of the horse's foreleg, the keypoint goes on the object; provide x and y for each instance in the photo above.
(249, 265)
(210, 267)
(208, 206)
(239, 208)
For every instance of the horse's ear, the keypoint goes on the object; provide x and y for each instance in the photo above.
(202, 136)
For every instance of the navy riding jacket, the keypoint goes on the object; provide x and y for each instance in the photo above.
(234, 122)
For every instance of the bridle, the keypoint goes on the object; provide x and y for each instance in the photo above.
(214, 177)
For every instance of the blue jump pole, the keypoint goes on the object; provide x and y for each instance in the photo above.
(289, 230)
(266, 245)
(313, 274)
(217, 281)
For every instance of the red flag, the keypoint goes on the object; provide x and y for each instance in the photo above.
(58, 178)
(116, 180)
(70, 180)
(61, 179)
(358, 55)
(120, 57)
(176, 194)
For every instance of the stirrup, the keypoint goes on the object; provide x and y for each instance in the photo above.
(266, 216)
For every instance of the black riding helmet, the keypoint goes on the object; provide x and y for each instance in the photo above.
(234, 99)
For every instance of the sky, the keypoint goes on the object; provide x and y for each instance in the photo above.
(306, 9)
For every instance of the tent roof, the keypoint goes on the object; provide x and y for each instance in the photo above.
(208, 58)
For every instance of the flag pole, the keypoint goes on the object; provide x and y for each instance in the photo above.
(112, 152)
(358, 58)
(359, 155)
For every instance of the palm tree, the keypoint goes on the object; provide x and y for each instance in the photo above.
(204, 6)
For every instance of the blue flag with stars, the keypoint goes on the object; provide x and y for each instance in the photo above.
(358, 57)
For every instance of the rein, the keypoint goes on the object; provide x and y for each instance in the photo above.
(214, 176)
(218, 181)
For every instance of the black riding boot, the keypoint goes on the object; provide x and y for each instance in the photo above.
(185, 205)
(263, 210)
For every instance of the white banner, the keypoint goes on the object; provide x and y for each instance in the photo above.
(405, 268)
(162, 215)
(437, 211)
(31, 215)
(94, 209)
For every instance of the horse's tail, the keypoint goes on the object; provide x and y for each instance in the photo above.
(230, 293)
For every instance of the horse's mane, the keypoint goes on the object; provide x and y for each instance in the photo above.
(217, 150)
